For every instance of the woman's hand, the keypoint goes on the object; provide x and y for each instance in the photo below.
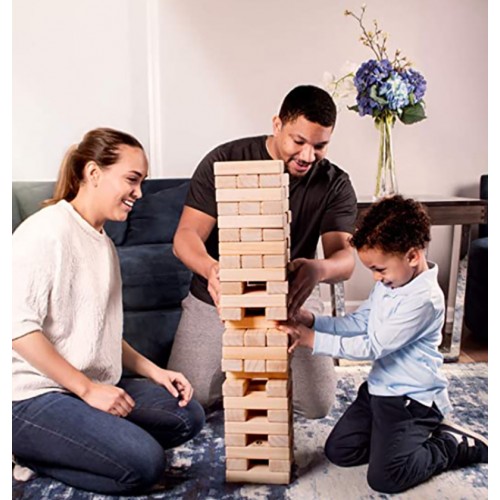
(108, 398)
(175, 383)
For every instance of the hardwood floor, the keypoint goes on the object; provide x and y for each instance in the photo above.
(472, 350)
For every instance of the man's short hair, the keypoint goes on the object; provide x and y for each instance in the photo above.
(394, 225)
(313, 103)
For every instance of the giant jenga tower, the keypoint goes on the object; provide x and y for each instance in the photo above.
(254, 248)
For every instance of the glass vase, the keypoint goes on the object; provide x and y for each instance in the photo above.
(386, 173)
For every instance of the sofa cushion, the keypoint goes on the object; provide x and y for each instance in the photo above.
(153, 278)
(116, 231)
(155, 217)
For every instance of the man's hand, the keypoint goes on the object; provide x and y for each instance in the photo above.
(304, 277)
(214, 284)
(304, 317)
(300, 335)
(175, 383)
(108, 398)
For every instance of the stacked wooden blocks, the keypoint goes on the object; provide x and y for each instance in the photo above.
(254, 247)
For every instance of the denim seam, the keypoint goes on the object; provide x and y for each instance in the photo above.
(185, 421)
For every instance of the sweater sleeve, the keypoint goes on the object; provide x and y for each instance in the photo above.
(33, 268)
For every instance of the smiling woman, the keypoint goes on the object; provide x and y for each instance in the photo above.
(71, 406)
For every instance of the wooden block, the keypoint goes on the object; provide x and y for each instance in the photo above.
(276, 287)
(236, 387)
(276, 365)
(255, 376)
(247, 181)
(274, 260)
(252, 221)
(285, 179)
(238, 415)
(259, 450)
(277, 388)
(278, 465)
(254, 365)
(275, 337)
(251, 261)
(274, 206)
(253, 248)
(247, 234)
(257, 474)
(258, 425)
(225, 182)
(227, 209)
(258, 353)
(233, 337)
(229, 261)
(255, 337)
(252, 275)
(252, 322)
(273, 234)
(232, 288)
(232, 365)
(258, 298)
(248, 167)
(270, 180)
(236, 439)
(279, 440)
(241, 464)
(278, 313)
(249, 208)
(229, 235)
(231, 313)
(259, 194)
(278, 415)
(257, 400)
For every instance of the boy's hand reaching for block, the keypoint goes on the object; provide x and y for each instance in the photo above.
(300, 334)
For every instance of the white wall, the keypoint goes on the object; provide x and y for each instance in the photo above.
(223, 68)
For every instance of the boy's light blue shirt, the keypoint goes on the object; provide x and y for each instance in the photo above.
(400, 330)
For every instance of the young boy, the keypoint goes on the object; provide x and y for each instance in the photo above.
(396, 422)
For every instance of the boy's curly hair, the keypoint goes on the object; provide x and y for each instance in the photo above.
(394, 225)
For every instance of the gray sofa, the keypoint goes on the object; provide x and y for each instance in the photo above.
(154, 280)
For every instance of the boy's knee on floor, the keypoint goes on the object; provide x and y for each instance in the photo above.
(381, 482)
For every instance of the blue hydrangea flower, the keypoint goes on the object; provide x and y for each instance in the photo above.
(416, 83)
(396, 92)
(371, 73)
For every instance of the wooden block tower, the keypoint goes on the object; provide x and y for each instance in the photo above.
(254, 247)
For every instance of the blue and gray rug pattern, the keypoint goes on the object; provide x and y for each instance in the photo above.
(197, 469)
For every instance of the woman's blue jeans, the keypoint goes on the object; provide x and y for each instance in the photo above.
(59, 435)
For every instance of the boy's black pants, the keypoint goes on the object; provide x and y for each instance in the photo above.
(394, 435)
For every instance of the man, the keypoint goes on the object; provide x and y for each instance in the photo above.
(322, 202)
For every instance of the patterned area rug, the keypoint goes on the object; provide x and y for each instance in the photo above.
(197, 468)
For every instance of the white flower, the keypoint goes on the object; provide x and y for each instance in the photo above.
(341, 89)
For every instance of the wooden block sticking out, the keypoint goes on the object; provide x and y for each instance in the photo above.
(258, 298)
(229, 261)
(252, 221)
(242, 464)
(253, 248)
(270, 180)
(249, 234)
(256, 353)
(279, 440)
(257, 474)
(273, 234)
(247, 181)
(236, 439)
(278, 313)
(248, 167)
(252, 322)
(259, 194)
(227, 209)
(286, 179)
(233, 337)
(276, 287)
(275, 337)
(232, 288)
(254, 365)
(229, 235)
(235, 387)
(274, 260)
(239, 415)
(277, 388)
(225, 182)
(254, 274)
(278, 415)
(248, 208)
(232, 365)
(258, 425)
(255, 337)
(276, 365)
(257, 400)
(253, 375)
(276, 465)
(251, 261)
(232, 313)
(259, 450)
